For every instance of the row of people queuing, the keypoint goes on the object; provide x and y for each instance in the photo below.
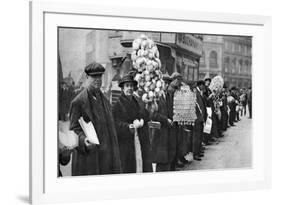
(116, 127)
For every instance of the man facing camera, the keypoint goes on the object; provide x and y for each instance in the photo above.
(92, 106)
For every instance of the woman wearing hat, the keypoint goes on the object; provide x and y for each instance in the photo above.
(128, 119)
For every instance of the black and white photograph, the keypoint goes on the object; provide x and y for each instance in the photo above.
(149, 101)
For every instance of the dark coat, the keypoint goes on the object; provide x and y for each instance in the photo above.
(144, 138)
(160, 144)
(125, 111)
(104, 158)
(201, 111)
(201, 115)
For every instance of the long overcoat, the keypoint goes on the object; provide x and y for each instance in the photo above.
(125, 111)
(104, 158)
(160, 144)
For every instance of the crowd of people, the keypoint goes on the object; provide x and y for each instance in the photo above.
(124, 131)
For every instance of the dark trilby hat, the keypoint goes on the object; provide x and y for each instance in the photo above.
(176, 75)
(127, 78)
(167, 78)
(94, 69)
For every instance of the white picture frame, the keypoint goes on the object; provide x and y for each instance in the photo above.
(45, 187)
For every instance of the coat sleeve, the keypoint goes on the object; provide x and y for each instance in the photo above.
(75, 113)
(122, 127)
(158, 116)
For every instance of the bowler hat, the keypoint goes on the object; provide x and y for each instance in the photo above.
(94, 69)
(127, 78)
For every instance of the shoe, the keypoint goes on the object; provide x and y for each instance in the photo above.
(197, 158)
(179, 164)
(201, 155)
(183, 160)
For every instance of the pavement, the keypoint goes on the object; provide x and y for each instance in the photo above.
(234, 150)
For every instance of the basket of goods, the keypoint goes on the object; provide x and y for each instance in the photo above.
(184, 106)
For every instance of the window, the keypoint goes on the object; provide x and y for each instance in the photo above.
(240, 66)
(202, 59)
(213, 59)
(233, 65)
(226, 64)
(246, 66)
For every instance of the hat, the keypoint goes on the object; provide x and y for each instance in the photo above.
(167, 78)
(200, 82)
(94, 69)
(207, 79)
(176, 75)
(127, 78)
(233, 88)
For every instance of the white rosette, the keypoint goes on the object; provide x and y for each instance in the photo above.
(145, 58)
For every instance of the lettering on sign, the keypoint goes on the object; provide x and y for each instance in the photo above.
(190, 43)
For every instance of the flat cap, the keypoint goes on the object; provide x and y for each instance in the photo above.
(94, 69)
(176, 75)
(167, 78)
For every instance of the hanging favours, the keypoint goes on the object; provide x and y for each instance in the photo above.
(184, 106)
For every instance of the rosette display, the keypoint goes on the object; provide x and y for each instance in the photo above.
(216, 84)
(145, 58)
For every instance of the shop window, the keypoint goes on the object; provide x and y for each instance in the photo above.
(190, 73)
(213, 59)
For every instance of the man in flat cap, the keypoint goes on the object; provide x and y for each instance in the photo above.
(129, 119)
(92, 106)
(163, 146)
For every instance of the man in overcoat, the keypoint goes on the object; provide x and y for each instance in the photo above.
(201, 115)
(164, 145)
(126, 110)
(92, 106)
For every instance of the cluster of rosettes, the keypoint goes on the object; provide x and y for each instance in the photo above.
(145, 58)
(216, 84)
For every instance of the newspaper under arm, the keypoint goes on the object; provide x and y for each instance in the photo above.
(89, 130)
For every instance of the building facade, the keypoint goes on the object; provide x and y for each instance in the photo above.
(112, 48)
(229, 57)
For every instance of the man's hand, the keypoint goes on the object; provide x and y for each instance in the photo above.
(89, 146)
(170, 122)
